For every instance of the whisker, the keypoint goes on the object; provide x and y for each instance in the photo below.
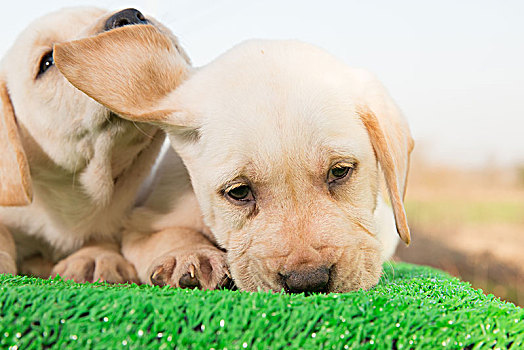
(142, 131)
(74, 174)
(108, 118)
(385, 277)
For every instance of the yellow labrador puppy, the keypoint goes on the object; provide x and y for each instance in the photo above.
(286, 148)
(69, 169)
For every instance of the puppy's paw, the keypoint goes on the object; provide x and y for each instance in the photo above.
(7, 264)
(203, 268)
(36, 266)
(96, 265)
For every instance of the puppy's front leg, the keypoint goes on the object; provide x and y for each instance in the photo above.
(96, 262)
(7, 252)
(178, 256)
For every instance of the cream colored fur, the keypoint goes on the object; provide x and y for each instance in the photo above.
(275, 115)
(86, 164)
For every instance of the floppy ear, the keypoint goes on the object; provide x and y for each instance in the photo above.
(15, 179)
(129, 70)
(392, 143)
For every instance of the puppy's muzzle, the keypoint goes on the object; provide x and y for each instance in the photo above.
(125, 17)
(306, 281)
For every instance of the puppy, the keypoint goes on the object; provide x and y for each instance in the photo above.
(70, 169)
(286, 149)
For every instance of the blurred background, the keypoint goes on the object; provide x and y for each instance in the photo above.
(455, 68)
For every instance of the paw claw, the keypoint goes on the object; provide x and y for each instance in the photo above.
(156, 278)
(202, 268)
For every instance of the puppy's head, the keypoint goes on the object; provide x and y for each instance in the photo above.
(51, 129)
(286, 147)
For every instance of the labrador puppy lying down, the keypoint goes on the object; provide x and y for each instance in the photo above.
(283, 150)
(70, 169)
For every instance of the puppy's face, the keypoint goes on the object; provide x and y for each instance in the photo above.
(61, 129)
(283, 144)
(290, 192)
(285, 174)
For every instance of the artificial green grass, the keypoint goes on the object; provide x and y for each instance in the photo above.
(412, 307)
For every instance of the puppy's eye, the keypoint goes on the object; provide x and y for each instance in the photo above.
(45, 63)
(339, 172)
(239, 193)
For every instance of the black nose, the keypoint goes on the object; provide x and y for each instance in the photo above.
(310, 280)
(124, 18)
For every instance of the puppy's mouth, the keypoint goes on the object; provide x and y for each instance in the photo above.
(129, 16)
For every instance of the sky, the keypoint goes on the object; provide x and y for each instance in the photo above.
(456, 68)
